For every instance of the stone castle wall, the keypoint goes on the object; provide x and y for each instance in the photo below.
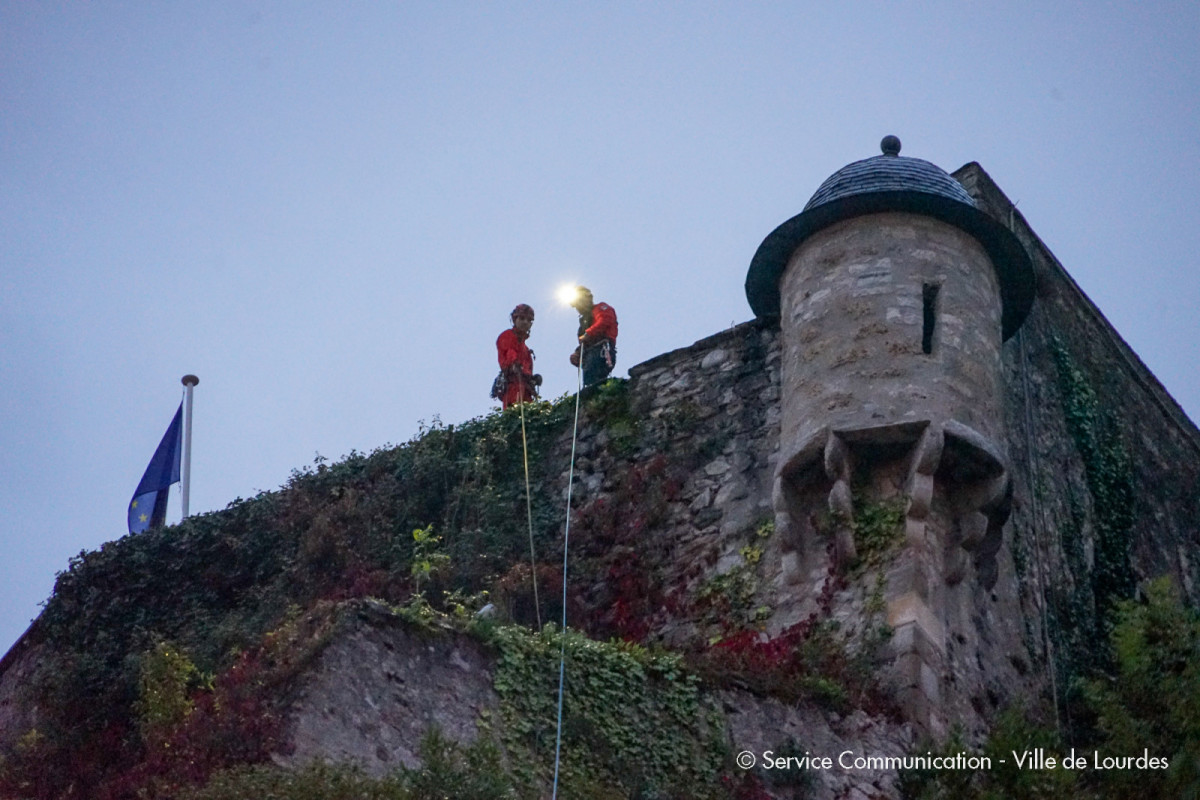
(1106, 464)
(1016, 622)
(1105, 475)
(960, 656)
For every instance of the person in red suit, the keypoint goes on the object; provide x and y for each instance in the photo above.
(516, 383)
(597, 337)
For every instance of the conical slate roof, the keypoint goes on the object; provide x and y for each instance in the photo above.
(891, 182)
(889, 173)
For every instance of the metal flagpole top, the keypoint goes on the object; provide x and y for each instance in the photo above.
(189, 381)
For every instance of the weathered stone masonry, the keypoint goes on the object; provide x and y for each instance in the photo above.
(852, 395)
(983, 610)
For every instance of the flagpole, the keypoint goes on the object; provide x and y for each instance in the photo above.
(189, 381)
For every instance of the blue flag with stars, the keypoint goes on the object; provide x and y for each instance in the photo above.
(148, 508)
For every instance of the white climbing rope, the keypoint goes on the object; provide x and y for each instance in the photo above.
(562, 654)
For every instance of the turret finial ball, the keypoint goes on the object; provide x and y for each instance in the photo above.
(890, 145)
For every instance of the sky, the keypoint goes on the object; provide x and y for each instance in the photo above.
(326, 211)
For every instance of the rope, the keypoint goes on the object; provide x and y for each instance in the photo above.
(1039, 523)
(537, 606)
(562, 654)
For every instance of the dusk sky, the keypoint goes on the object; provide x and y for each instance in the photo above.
(327, 210)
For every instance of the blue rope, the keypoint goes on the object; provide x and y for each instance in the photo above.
(562, 653)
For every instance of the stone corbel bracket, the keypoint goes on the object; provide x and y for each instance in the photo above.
(839, 468)
(970, 470)
(926, 456)
(977, 482)
(974, 491)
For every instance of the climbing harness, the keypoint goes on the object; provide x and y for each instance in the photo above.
(562, 654)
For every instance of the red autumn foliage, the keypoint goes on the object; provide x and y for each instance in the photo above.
(615, 544)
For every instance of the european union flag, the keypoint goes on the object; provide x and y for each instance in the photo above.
(148, 508)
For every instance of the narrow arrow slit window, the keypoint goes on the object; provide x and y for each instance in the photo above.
(929, 294)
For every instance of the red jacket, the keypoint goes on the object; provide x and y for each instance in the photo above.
(516, 362)
(604, 324)
(513, 354)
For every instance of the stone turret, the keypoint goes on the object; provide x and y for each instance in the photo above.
(894, 294)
